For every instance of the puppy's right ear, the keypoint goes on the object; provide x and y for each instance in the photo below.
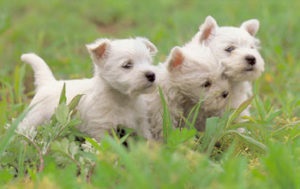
(207, 29)
(251, 26)
(99, 49)
(175, 59)
(150, 46)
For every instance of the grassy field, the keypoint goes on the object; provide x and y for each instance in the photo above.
(266, 157)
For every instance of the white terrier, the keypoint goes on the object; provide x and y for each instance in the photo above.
(187, 78)
(237, 49)
(111, 98)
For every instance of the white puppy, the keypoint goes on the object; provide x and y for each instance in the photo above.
(111, 98)
(187, 78)
(237, 49)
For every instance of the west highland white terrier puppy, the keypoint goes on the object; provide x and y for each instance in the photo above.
(187, 78)
(111, 98)
(237, 49)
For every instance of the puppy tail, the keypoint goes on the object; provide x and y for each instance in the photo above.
(42, 72)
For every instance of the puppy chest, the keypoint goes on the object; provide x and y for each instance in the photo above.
(112, 115)
(127, 117)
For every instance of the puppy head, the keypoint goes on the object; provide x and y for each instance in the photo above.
(197, 76)
(125, 64)
(236, 47)
(217, 95)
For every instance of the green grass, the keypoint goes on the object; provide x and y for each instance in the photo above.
(265, 157)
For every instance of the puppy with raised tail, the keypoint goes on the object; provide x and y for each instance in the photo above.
(123, 71)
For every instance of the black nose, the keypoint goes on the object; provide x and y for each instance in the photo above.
(150, 76)
(225, 94)
(250, 60)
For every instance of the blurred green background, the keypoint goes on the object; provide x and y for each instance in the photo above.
(58, 31)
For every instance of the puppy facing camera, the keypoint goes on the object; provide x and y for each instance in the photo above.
(188, 77)
(236, 49)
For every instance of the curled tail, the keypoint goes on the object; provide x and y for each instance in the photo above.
(42, 72)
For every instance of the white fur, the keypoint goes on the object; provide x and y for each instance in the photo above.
(111, 97)
(183, 78)
(243, 44)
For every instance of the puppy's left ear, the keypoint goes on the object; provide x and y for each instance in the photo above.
(251, 26)
(152, 48)
(99, 49)
(175, 59)
(207, 29)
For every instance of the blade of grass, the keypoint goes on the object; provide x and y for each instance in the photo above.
(238, 111)
(248, 139)
(74, 102)
(10, 133)
(194, 113)
(167, 122)
(18, 82)
(63, 98)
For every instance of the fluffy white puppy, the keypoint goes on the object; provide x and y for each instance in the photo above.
(237, 49)
(123, 71)
(187, 78)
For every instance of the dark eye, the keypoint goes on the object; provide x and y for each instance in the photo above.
(229, 49)
(127, 65)
(206, 84)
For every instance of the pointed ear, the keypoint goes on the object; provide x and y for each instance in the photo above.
(207, 28)
(175, 59)
(98, 50)
(251, 26)
(150, 46)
